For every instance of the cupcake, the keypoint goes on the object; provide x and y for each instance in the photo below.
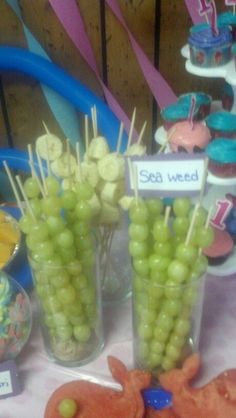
(187, 137)
(222, 157)
(207, 49)
(176, 112)
(203, 103)
(227, 97)
(222, 124)
(228, 19)
(221, 248)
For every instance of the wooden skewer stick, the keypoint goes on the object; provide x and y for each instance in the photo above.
(167, 215)
(48, 162)
(46, 128)
(14, 189)
(94, 121)
(37, 179)
(141, 133)
(79, 170)
(31, 161)
(133, 172)
(131, 129)
(190, 230)
(204, 178)
(119, 140)
(27, 203)
(42, 175)
(86, 132)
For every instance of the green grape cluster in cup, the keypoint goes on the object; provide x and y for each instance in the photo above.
(167, 277)
(61, 251)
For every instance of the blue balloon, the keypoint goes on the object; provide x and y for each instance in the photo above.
(48, 73)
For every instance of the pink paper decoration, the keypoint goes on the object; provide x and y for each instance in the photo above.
(193, 9)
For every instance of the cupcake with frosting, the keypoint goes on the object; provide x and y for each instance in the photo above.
(222, 157)
(176, 112)
(228, 19)
(222, 124)
(188, 137)
(227, 96)
(203, 103)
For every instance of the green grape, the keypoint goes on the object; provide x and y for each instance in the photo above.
(141, 266)
(75, 314)
(60, 319)
(138, 283)
(161, 334)
(52, 186)
(65, 239)
(81, 228)
(64, 332)
(55, 224)
(163, 248)
(154, 359)
(155, 207)
(60, 279)
(25, 223)
(172, 291)
(49, 321)
(68, 255)
(87, 295)
(31, 187)
(71, 217)
(200, 216)
(200, 265)
(164, 321)
(45, 250)
(172, 307)
(80, 282)
(176, 240)
(167, 363)
(82, 333)
(205, 237)
(173, 352)
(138, 232)
(181, 206)
(66, 295)
(84, 191)
(74, 268)
(138, 249)
(148, 315)
(51, 205)
(157, 346)
(84, 242)
(143, 349)
(182, 327)
(51, 304)
(181, 225)
(87, 258)
(83, 210)
(47, 290)
(32, 244)
(40, 230)
(158, 262)
(143, 300)
(145, 331)
(67, 408)
(157, 277)
(186, 253)
(154, 291)
(177, 340)
(36, 207)
(138, 212)
(178, 271)
(161, 231)
(69, 199)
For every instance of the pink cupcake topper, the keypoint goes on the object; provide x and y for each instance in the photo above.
(192, 110)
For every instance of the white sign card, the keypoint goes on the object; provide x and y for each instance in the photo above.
(9, 381)
(167, 174)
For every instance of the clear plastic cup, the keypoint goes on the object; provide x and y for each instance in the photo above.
(166, 322)
(70, 309)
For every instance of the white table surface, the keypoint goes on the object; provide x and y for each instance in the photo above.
(40, 377)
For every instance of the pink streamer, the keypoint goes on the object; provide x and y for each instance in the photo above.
(193, 7)
(70, 17)
(162, 92)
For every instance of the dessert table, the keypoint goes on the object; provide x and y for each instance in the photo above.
(40, 377)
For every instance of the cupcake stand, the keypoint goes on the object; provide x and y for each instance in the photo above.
(218, 187)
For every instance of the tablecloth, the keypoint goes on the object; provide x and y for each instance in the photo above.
(40, 377)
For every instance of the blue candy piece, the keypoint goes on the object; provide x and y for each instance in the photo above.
(221, 121)
(222, 150)
(157, 398)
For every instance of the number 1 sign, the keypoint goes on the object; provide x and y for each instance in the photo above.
(205, 7)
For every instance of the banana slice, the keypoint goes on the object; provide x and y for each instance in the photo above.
(98, 148)
(64, 166)
(136, 149)
(95, 205)
(125, 202)
(49, 145)
(111, 167)
(112, 192)
(90, 173)
(109, 214)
